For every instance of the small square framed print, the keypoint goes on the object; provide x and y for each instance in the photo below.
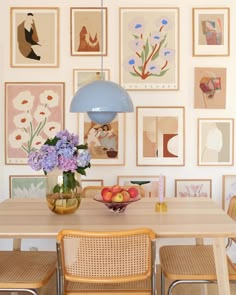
(185, 188)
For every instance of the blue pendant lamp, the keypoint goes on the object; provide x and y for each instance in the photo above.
(101, 99)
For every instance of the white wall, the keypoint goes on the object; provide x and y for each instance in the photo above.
(183, 97)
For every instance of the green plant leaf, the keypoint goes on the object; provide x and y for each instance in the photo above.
(162, 73)
(146, 49)
(134, 74)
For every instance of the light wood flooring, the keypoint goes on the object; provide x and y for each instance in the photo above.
(50, 289)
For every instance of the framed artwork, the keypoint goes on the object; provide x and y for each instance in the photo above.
(160, 136)
(106, 142)
(33, 113)
(34, 36)
(210, 88)
(27, 186)
(88, 31)
(84, 76)
(215, 142)
(149, 183)
(197, 188)
(149, 48)
(228, 189)
(89, 182)
(211, 31)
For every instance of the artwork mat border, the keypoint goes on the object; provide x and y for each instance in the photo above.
(182, 128)
(135, 88)
(195, 180)
(91, 182)
(140, 177)
(225, 189)
(104, 34)
(121, 143)
(231, 162)
(18, 176)
(57, 37)
(76, 71)
(62, 84)
(195, 32)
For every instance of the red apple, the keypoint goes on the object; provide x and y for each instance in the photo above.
(107, 196)
(118, 197)
(126, 195)
(116, 189)
(133, 191)
(104, 190)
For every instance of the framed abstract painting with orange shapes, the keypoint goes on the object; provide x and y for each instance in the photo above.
(88, 31)
(160, 136)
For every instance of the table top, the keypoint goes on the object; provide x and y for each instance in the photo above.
(188, 217)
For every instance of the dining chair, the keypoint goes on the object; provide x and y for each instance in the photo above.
(91, 191)
(26, 271)
(107, 262)
(188, 264)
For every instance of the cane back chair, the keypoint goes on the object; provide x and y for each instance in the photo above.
(188, 264)
(107, 262)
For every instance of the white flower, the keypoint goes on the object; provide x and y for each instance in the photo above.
(22, 120)
(18, 138)
(41, 113)
(51, 128)
(156, 38)
(137, 25)
(49, 98)
(23, 101)
(137, 44)
(37, 142)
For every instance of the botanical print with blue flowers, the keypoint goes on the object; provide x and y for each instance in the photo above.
(149, 48)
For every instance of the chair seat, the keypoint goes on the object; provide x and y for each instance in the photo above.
(26, 269)
(183, 262)
(143, 286)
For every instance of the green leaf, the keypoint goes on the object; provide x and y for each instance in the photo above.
(162, 73)
(142, 57)
(136, 36)
(134, 74)
(146, 49)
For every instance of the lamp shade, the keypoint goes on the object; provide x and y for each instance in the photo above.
(102, 100)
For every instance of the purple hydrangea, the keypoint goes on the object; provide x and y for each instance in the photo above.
(83, 159)
(67, 164)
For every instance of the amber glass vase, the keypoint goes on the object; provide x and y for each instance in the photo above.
(63, 192)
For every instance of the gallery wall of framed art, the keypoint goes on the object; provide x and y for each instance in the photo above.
(177, 62)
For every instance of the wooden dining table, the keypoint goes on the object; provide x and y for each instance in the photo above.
(197, 218)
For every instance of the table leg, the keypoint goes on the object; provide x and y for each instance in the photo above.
(221, 266)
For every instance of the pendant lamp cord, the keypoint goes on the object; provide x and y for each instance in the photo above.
(101, 43)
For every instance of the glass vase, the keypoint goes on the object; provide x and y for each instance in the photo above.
(63, 192)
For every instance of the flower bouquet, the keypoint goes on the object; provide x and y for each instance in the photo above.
(61, 158)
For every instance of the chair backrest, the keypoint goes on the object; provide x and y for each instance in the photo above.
(91, 191)
(106, 257)
(232, 211)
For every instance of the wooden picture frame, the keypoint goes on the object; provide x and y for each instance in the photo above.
(33, 113)
(210, 88)
(84, 76)
(160, 136)
(88, 31)
(211, 31)
(27, 186)
(149, 48)
(91, 182)
(228, 189)
(106, 142)
(215, 142)
(148, 182)
(34, 37)
(196, 188)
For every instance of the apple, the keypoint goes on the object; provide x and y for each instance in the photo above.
(117, 198)
(107, 196)
(126, 195)
(116, 189)
(133, 191)
(104, 190)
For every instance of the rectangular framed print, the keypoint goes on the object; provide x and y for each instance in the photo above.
(196, 188)
(160, 136)
(27, 186)
(215, 142)
(88, 31)
(228, 189)
(84, 76)
(149, 48)
(33, 113)
(106, 142)
(34, 36)
(211, 36)
(149, 183)
(91, 182)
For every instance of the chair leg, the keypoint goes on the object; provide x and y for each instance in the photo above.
(175, 283)
(162, 283)
(33, 292)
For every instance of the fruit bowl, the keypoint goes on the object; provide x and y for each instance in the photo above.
(117, 207)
